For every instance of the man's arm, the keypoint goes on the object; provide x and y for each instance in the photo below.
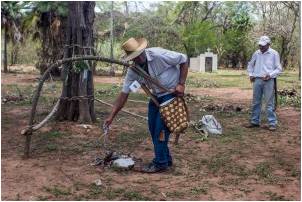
(173, 58)
(277, 70)
(180, 88)
(123, 96)
(118, 105)
(250, 67)
(183, 73)
(278, 67)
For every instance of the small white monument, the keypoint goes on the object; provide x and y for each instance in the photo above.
(206, 62)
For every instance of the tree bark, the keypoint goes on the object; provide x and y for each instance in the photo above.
(14, 52)
(126, 9)
(29, 131)
(5, 49)
(299, 49)
(79, 36)
(52, 28)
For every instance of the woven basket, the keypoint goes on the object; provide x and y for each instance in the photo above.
(175, 114)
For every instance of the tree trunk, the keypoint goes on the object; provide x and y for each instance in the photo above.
(5, 49)
(299, 41)
(112, 71)
(15, 52)
(299, 49)
(52, 29)
(79, 35)
(299, 66)
(284, 52)
(126, 9)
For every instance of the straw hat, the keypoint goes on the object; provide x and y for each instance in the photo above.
(133, 48)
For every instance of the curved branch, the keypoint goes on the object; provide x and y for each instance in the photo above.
(39, 125)
(55, 65)
(123, 110)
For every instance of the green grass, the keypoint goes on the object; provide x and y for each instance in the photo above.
(134, 196)
(238, 78)
(111, 194)
(57, 191)
(222, 163)
(53, 134)
(175, 194)
(289, 101)
(220, 79)
(42, 198)
(51, 147)
(94, 191)
(100, 193)
(199, 190)
(229, 181)
(275, 197)
(264, 170)
(49, 93)
(129, 140)
(109, 92)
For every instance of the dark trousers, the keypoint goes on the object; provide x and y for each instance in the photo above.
(162, 155)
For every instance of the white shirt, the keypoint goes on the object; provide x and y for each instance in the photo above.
(163, 65)
(263, 64)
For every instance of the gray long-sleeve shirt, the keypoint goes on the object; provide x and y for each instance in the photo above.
(163, 65)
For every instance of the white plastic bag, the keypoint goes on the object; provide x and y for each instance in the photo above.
(211, 125)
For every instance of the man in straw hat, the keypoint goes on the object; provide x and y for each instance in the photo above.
(263, 68)
(170, 69)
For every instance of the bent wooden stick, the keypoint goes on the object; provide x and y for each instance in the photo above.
(28, 130)
(40, 85)
(123, 110)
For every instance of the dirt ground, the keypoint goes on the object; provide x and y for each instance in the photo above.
(242, 164)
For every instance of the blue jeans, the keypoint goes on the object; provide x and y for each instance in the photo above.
(156, 125)
(263, 90)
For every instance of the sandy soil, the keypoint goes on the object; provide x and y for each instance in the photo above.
(21, 79)
(225, 95)
(65, 173)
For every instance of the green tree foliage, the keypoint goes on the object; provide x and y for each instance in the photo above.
(230, 29)
(46, 22)
(281, 20)
(234, 36)
(158, 32)
(198, 37)
(11, 22)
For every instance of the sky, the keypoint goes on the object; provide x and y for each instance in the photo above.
(132, 5)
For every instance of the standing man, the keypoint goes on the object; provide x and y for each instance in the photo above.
(170, 69)
(263, 68)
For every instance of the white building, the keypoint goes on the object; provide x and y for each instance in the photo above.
(206, 62)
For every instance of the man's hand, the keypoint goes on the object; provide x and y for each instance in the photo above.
(180, 90)
(108, 122)
(119, 103)
(267, 77)
(252, 79)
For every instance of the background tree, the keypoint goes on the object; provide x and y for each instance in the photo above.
(47, 23)
(109, 27)
(234, 36)
(280, 20)
(78, 77)
(112, 72)
(10, 21)
(230, 29)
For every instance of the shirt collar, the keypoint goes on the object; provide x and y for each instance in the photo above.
(148, 55)
(267, 52)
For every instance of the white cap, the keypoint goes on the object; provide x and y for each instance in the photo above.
(264, 40)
